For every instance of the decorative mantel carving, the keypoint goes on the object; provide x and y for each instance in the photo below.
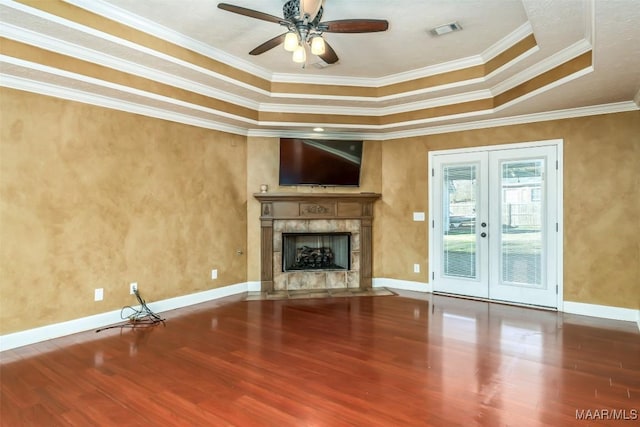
(316, 206)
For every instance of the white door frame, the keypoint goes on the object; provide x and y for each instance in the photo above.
(559, 144)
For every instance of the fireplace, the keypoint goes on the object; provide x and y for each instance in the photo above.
(316, 251)
(316, 241)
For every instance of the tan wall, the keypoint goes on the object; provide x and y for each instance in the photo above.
(601, 202)
(96, 198)
(262, 168)
(91, 197)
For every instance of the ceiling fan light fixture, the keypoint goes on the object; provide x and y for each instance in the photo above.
(291, 41)
(299, 54)
(317, 46)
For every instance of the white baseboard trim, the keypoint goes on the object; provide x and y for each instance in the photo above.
(254, 286)
(603, 311)
(57, 330)
(405, 285)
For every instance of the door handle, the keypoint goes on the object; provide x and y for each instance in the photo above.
(483, 234)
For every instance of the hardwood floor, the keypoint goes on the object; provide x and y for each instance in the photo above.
(406, 360)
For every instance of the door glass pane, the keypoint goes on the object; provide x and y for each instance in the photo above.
(459, 220)
(522, 220)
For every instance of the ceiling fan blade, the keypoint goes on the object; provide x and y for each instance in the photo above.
(249, 12)
(329, 56)
(268, 45)
(354, 26)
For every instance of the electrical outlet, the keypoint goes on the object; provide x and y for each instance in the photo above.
(214, 274)
(133, 287)
(416, 268)
(98, 294)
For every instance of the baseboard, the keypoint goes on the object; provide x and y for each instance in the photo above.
(602, 311)
(254, 286)
(57, 330)
(405, 285)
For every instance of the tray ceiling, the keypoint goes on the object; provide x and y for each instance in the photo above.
(513, 62)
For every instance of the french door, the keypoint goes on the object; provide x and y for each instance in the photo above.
(495, 224)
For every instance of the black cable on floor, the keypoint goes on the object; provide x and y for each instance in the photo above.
(142, 317)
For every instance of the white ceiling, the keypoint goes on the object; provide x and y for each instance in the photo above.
(563, 29)
(405, 46)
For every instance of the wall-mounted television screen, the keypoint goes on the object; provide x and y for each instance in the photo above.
(320, 162)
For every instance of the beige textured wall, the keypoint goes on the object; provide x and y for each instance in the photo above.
(96, 198)
(262, 168)
(91, 197)
(601, 202)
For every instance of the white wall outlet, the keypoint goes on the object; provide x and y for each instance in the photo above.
(133, 287)
(214, 274)
(416, 268)
(418, 216)
(98, 294)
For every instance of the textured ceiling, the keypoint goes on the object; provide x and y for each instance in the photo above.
(514, 61)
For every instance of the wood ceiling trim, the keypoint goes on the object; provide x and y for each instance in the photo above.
(100, 23)
(440, 111)
(503, 58)
(566, 69)
(338, 119)
(281, 88)
(451, 77)
(55, 60)
(41, 56)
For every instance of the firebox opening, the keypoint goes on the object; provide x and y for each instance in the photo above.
(316, 251)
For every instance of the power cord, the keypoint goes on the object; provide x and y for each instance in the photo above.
(142, 317)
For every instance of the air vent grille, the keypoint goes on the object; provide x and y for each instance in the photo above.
(445, 29)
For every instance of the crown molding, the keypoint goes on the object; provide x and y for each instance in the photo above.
(378, 81)
(524, 30)
(594, 110)
(619, 107)
(375, 133)
(22, 34)
(85, 54)
(565, 55)
(511, 39)
(71, 94)
(112, 12)
(375, 111)
(292, 133)
(545, 88)
(117, 14)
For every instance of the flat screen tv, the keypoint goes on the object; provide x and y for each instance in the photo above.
(316, 162)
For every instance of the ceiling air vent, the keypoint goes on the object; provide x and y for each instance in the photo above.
(444, 29)
(321, 64)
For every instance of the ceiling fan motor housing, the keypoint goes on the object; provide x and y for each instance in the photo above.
(291, 12)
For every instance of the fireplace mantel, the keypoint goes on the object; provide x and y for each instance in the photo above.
(313, 207)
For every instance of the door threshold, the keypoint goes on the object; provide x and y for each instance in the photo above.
(515, 304)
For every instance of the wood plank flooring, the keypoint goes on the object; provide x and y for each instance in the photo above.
(405, 360)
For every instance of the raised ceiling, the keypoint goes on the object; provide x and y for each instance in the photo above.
(187, 61)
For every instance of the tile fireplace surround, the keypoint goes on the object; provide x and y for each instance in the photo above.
(315, 213)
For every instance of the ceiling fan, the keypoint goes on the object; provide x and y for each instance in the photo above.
(302, 18)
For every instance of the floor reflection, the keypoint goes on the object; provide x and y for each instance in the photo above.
(409, 359)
